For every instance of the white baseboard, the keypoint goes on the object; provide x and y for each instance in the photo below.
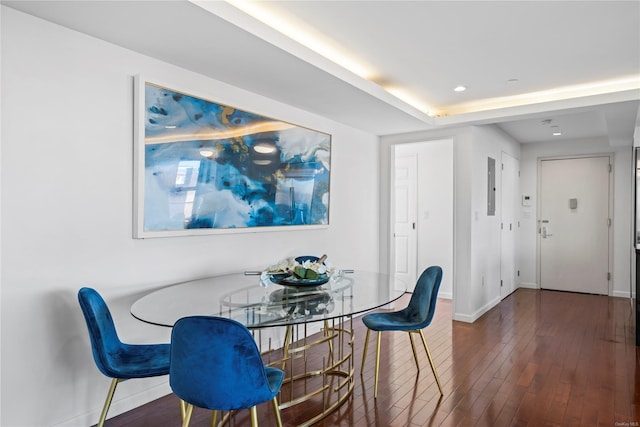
(621, 294)
(120, 406)
(528, 285)
(445, 295)
(470, 318)
(617, 294)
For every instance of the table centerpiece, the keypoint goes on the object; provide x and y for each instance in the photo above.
(304, 270)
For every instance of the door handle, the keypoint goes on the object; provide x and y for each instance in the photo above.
(544, 228)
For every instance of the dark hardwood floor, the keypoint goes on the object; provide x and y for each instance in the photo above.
(539, 358)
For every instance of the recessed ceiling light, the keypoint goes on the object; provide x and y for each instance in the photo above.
(557, 133)
(460, 88)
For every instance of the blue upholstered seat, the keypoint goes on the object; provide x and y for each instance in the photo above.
(114, 358)
(216, 364)
(412, 319)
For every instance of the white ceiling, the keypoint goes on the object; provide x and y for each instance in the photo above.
(424, 48)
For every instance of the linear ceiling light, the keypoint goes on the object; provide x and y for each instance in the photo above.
(301, 35)
(327, 49)
(319, 44)
(403, 95)
(556, 94)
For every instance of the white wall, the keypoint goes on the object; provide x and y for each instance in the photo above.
(622, 209)
(476, 275)
(488, 141)
(67, 103)
(461, 138)
(434, 207)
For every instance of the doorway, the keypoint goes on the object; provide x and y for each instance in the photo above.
(509, 186)
(431, 215)
(574, 224)
(405, 231)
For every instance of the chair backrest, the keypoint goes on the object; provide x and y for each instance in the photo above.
(422, 305)
(215, 364)
(102, 331)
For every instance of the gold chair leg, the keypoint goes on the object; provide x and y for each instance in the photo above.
(364, 352)
(413, 348)
(254, 416)
(183, 408)
(375, 378)
(187, 415)
(214, 418)
(107, 402)
(276, 409)
(433, 367)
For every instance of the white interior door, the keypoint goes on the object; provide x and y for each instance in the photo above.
(509, 185)
(574, 224)
(404, 227)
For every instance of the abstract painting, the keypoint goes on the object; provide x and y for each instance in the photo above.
(203, 167)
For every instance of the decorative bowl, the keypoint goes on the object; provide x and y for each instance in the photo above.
(292, 280)
(303, 258)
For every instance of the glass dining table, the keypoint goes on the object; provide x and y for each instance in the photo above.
(318, 362)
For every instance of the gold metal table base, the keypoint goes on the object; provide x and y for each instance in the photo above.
(319, 370)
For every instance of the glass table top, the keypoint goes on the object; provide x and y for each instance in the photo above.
(243, 298)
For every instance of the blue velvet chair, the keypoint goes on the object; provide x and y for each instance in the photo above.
(114, 358)
(216, 365)
(412, 319)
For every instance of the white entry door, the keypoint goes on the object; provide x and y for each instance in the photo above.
(574, 224)
(509, 186)
(404, 227)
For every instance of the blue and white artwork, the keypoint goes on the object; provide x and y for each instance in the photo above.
(211, 166)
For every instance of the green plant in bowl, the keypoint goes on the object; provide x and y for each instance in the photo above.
(305, 273)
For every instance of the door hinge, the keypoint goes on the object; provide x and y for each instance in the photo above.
(501, 226)
(610, 168)
(518, 273)
(609, 222)
(500, 283)
(608, 276)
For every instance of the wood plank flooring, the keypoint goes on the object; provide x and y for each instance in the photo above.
(539, 358)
